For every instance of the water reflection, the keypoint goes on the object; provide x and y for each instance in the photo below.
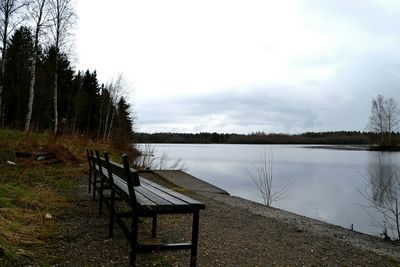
(326, 182)
(382, 192)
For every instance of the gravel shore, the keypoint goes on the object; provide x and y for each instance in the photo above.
(233, 232)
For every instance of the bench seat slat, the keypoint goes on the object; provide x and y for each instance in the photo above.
(144, 201)
(121, 184)
(140, 198)
(172, 199)
(147, 199)
(171, 192)
(143, 196)
(152, 196)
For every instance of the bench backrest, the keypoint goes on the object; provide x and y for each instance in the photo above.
(89, 159)
(92, 159)
(132, 178)
(123, 172)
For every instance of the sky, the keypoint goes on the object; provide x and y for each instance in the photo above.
(241, 66)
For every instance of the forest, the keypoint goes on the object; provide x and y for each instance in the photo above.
(39, 87)
(338, 137)
(382, 134)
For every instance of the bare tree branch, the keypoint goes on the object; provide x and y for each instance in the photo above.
(384, 118)
(39, 12)
(63, 19)
(382, 193)
(262, 177)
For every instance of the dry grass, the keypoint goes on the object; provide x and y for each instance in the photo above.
(31, 189)
(26, 199)
(65, 148)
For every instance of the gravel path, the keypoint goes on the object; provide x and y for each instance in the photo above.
(233, 232)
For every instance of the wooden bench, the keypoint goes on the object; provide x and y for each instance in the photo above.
(145, 198)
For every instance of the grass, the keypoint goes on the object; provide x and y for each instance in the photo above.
(31, 189)
(27, 194)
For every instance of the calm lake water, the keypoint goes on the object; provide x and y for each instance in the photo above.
(325, 183)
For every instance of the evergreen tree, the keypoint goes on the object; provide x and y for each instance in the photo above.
(17, 77)
(90, 86)
(124, 121)
(81, 105)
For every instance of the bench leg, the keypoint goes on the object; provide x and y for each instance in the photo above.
(195, 237)
(94, 184)
(112, 213)
(133, 241)
(101, 194)
(154, 227)
(90, 179)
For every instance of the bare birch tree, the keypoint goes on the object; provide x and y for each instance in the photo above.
(39, 13)
(392, 117)
(382, 192)
(101, 111)
(262, 177)
(9, 19)
(111, 124)
(109, 88)
(377, 118)
(385, 117)
(63, 18)
(115, 90)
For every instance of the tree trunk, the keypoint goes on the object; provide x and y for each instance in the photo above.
(55, 94)
(88, 119)
(2, 115)
(33, 67)
(397, 220)
(31, 91)
(111, 124)
(3, 64)
(75, 118)
(106, 122)
(101, 117)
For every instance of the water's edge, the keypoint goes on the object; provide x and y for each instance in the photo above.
(302, 223)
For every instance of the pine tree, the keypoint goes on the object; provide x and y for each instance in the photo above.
(17, 77)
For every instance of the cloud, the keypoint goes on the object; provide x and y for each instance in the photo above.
(252, 109)
(243, 66)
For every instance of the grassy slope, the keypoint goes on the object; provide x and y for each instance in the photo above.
(31, 190)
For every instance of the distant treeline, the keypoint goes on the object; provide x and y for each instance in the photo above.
(339, 137)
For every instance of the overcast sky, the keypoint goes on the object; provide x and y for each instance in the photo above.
(245, 66)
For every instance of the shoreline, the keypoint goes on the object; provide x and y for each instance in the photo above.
(348, 147)
(233, 232)
(302, 223)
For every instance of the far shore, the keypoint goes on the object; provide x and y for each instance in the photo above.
(353, 147)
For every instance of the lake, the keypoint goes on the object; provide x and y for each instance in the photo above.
(325, 183)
